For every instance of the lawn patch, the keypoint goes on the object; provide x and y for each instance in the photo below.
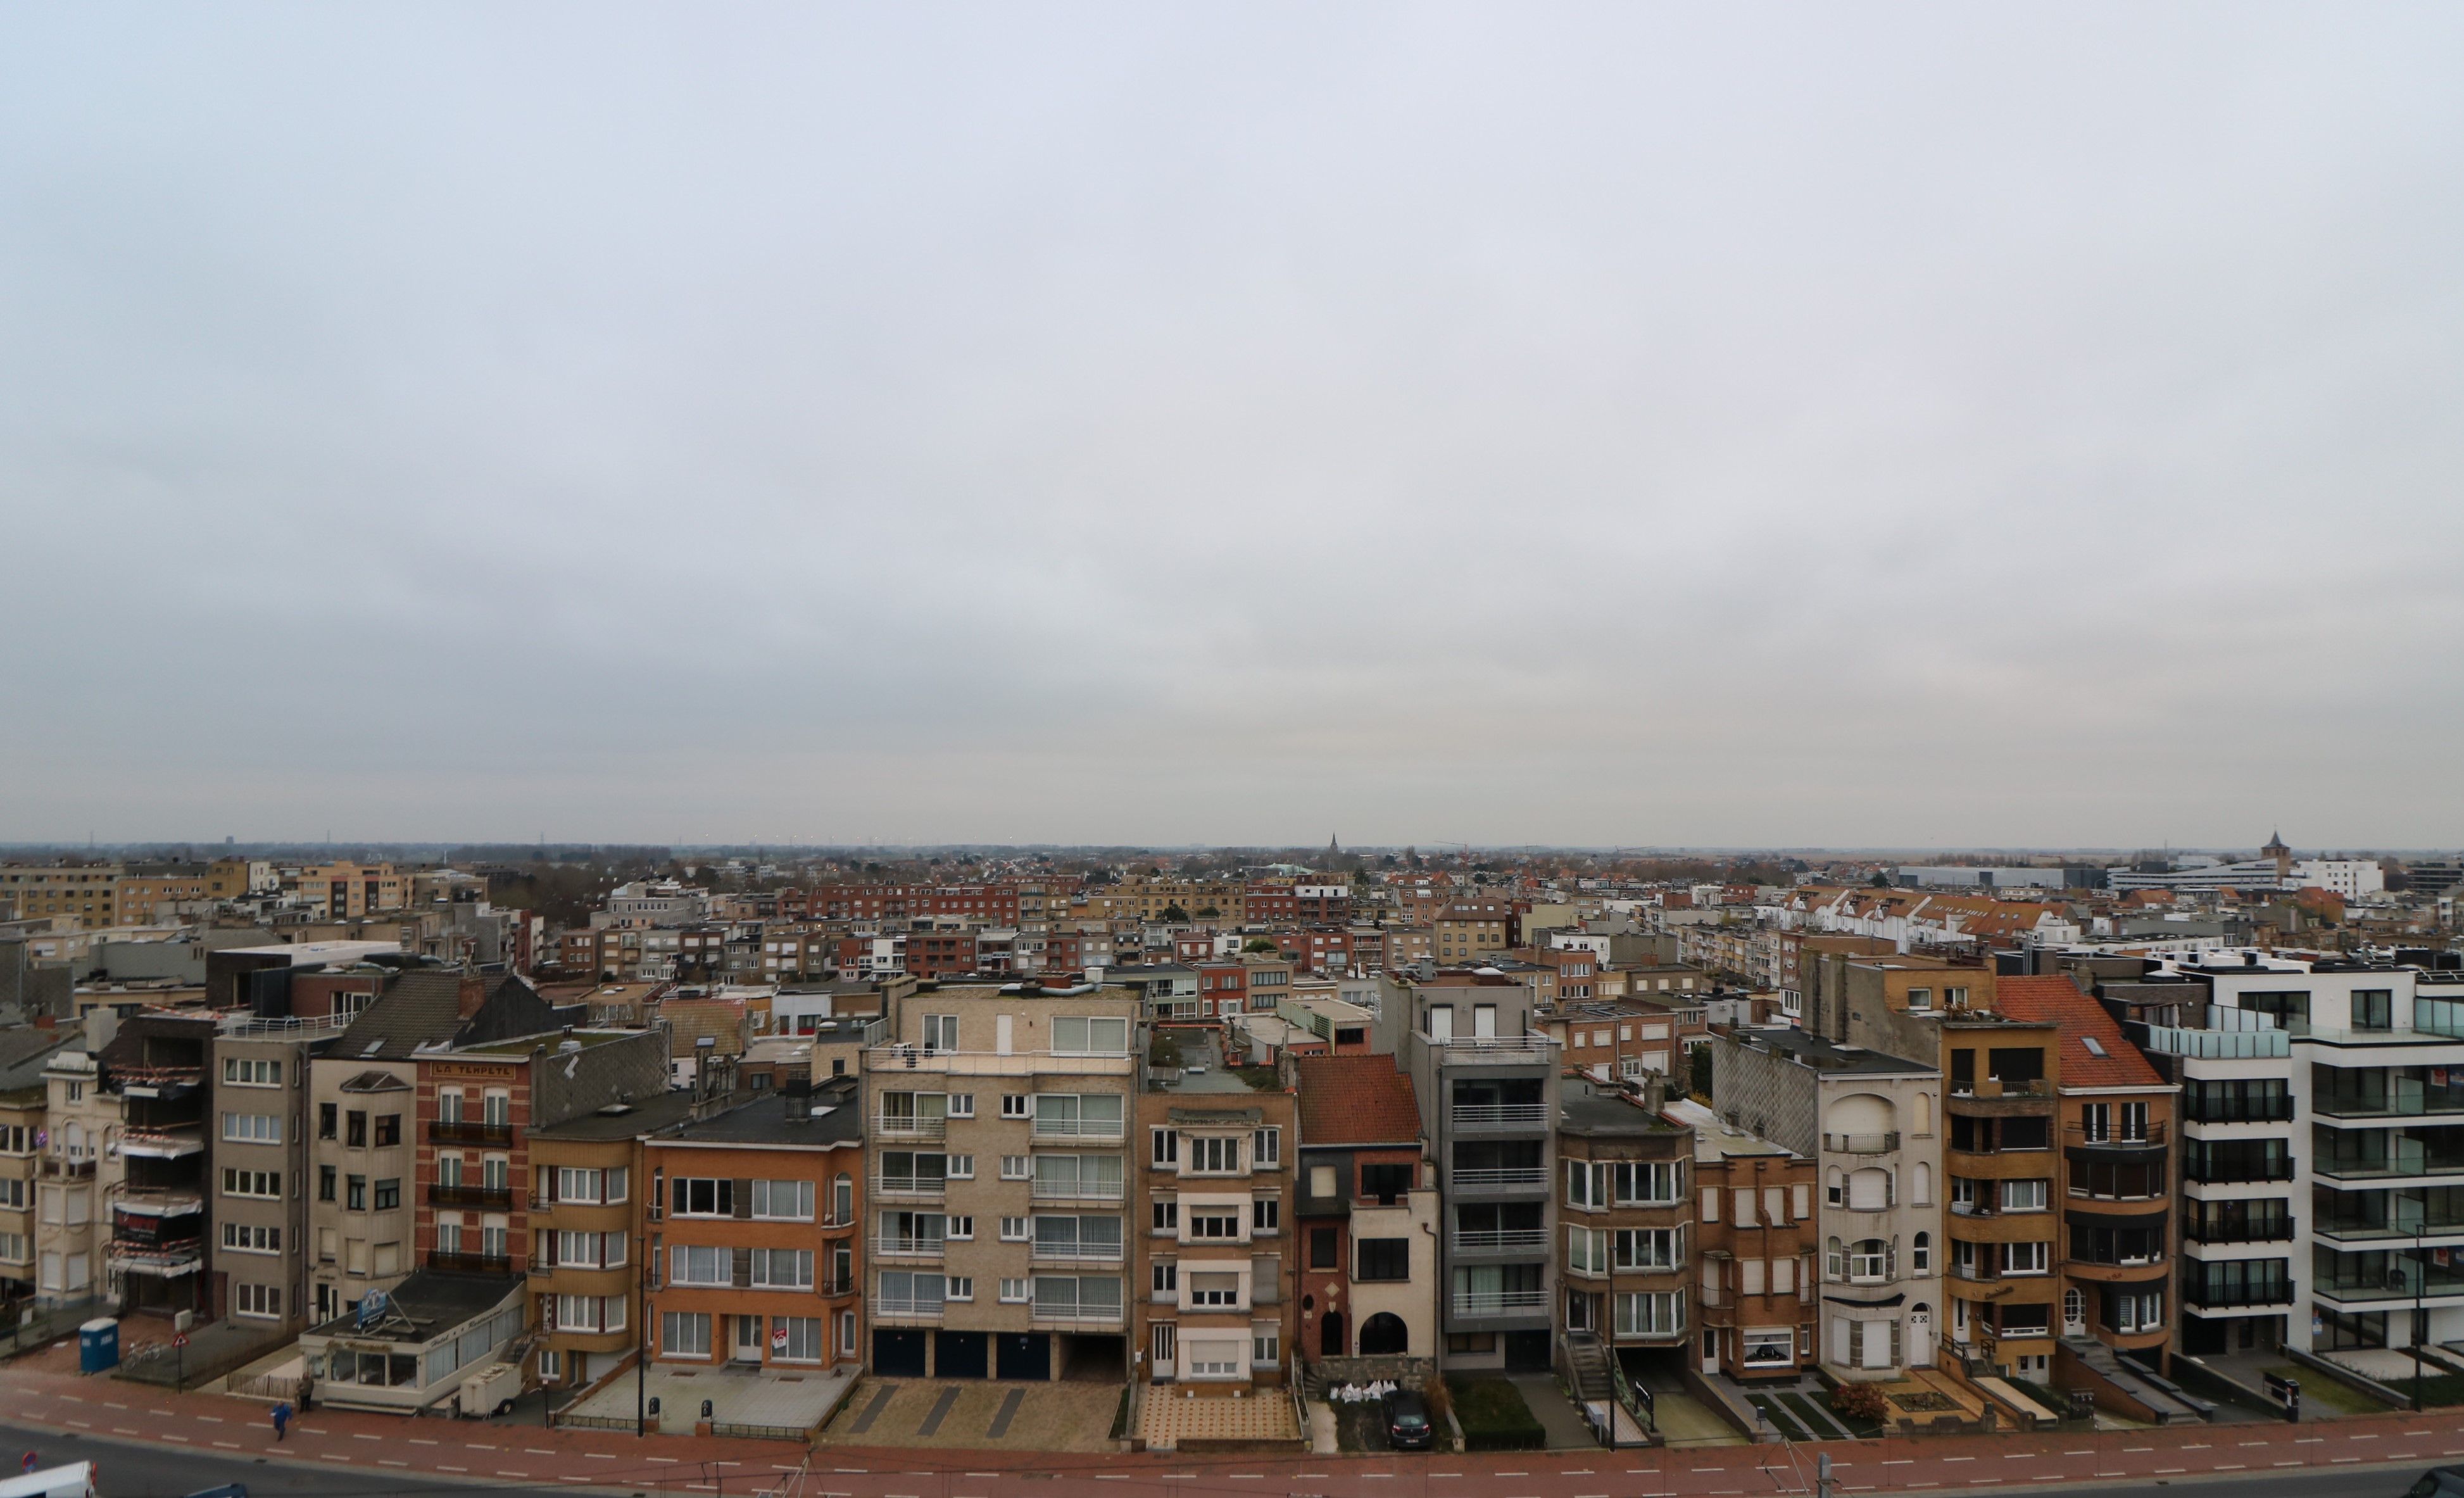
(1493, 1415)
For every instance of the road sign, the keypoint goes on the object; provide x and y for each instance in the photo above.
(179, 1339)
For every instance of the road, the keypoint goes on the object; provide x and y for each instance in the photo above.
(135, 1470)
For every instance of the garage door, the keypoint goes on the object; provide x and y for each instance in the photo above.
(958, 1355)
(898, 1355)
(1026, 1354)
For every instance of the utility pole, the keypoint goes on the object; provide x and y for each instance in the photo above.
(1825, 1485)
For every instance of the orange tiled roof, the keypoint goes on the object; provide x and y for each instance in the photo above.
(2058, 1001)
(1355, 1100)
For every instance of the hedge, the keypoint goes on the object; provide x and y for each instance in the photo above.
(1493, 1415)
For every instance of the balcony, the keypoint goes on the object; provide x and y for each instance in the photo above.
(2153, 1138)
(464, 1131)
(922, 1061)
(1109, 1131)
(2199, 1295)
(160, 1144)
(497, 1197)
(1862, 1143)
(55, 1168)
(1054, 1253)
(2219, 1045)
(2266, 1230)
(2234, 1111)
(2235, 1173)
(160, 1260)
(1495, 1118)
(1056, 1313)
(934, 1187)
(1501, 1303)
(892, 1246)
(1493, 1180)
(906, 1307)
(909, 1125)
(841, 1285)
(1078, 1190)
(471, 1263)
(1502, 1239)
(1511, 1051)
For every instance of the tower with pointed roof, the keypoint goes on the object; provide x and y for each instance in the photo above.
(2283, 856)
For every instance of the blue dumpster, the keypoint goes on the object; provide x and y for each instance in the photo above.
(99, 1346)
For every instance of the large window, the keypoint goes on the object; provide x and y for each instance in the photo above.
(685, 1333)
(783, 1200)
(1078, 1236)
(1384, 1259)
(702, 1195)
(782, 1268)
(1650, 1313)
(1602, 1183)
(253, 1128)
(700, 1263)
(1081, 1035)
(796, 1339)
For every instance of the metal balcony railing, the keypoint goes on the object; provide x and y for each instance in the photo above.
(1504, 1049)
(1079, 1129)
(1078, 1190)
(1078, 1313)
(1500, 1115)
(909, 1125)
(1862, 1143)
(1501, 1303)
(908, 1306)
(499, 1196)
(1510, 1177)
(891, 1245)
(910, 1185)
(1043, 1252)
(466, 1131)
(2151, 1137)
(1501, 1239)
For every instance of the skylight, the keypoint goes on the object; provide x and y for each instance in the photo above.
(2095, 1046)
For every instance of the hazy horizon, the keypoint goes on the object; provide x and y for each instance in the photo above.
(1888, 426)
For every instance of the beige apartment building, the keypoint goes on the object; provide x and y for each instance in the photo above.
(88, 894)
(999, 1160)
(24, 1053)
(341, 892)
(75, 1177)
(260, 1108)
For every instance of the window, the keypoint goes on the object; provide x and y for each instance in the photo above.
(266, 1183)
(1648, 1248)
(2373, 1008)
(577, 1185)
(2023, 1195)
(328, 1117)
(1163, 1277)
(699, 1196)
(242, 1071)
(1266, 1345)
(1767, 1348)
(355, 1128)
(1013, 1292)
(2026, 1257)
(1221, 1226)
(1868, 1261)
(1017, 1167)
(1017, 1105)
(1384, 1183)
(388, 1194)
(261, 1301)
(962, 1226)
(1266, 1147)
(253, 1128)
(247, 1238)
(699, 1264)
(2134, 1311)
(941, 1033)
(496, 1109)
(1166, 1217)
(1090, 1036)
(796, 1339)
(1266, 1215)
(685, 1333)
(1385, 1258)
(325, 1178)
(1650, 1313)
(449, 1106)
(1919, 998)
(783, 1200)
(1323, 1253)
(1921, 1254)
(962, 1105)
(782, 1268)
(1214, 1290)
(1213, 1155)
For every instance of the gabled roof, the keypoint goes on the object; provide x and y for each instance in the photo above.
(2059, 1002)
(1355, 1100)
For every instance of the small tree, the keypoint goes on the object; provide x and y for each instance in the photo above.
(1862, 1403)
(1208, 913)
(1697, 1072)
(1258, 944)
(1175, 913)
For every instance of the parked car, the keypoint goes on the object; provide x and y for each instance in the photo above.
(2439, 1482)
(1407, 1422)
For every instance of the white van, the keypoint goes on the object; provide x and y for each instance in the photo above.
(73, 1480)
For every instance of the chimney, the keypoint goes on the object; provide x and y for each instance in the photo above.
(473, 992)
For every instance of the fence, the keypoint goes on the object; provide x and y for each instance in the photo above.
(41, 1327)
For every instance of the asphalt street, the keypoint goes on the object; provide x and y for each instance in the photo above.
(134, 1469)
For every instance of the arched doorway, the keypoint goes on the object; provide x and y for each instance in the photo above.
(1383, 1335)
(1330, 1335)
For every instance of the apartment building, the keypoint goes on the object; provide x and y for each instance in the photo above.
(1366, 1202)
(1623, 1039)
(364, 1101)
(2115, 1174)
(76, 1177)
(344, 891)
(1484, 1073)
(756, 1215)
(1867, 1120)
(1623, 1211)
(86, 895)
(991, 1107)
(476, 1104)
(24, 1054)
(1757, 1232)
(259, 1100)
(156, 1068)
(586, 1213)
(1470, 930)
(1216, 1270)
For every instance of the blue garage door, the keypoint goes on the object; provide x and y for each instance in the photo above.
(898, 1355)
(1026, 1354)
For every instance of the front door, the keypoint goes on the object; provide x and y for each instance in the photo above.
(2073, 1313)
(1163, 1360)
(1921, 1337)
(748, 1340)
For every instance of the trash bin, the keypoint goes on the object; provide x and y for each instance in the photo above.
(99, 1346)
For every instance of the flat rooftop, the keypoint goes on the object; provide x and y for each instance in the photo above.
(1595, 1106)
(1808, 1049)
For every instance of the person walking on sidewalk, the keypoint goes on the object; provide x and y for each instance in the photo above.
(281, 1419)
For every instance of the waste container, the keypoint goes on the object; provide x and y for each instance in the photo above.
(99, 1346)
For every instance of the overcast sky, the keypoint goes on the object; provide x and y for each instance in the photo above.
(1611, 425)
